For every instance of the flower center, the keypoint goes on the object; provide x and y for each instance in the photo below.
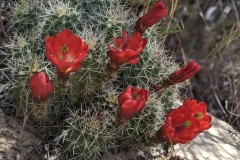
(64, 48)
(124, 44)
(135, 95)
(199, 115)
(186, 124)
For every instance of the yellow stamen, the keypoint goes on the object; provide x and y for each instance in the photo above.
(64, 48)
(187, 124)
(199, 115)
(135, 95)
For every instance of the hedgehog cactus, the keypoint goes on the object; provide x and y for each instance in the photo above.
(85, 137)
(78, 38)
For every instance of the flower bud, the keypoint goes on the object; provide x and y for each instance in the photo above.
(127, 49)
(131, 101)
(155, 14)
(181, 75)
(41, 87)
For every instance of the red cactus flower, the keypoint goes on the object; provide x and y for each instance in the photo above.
(179, 127)
(131, 101)
(184, 123)
(127, 49)
(41, 87)
(198, 111)
(66, 51)
(155, 14)
(182, 74)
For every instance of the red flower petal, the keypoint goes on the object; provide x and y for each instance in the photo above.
(40, 86)
(133, 61)
(185, 126)
(52, 58)
(128, 49)
(81, 57)
(49, 40)
(63, 36)
(144, 42)
(141, 105)
(57, 50)
(117, 42)
(67, 65)
(131, 101)
(73, 43)
(111, 49)
(125, 96)
(135, 53)
(129, 105)
(135, 41)
(66, 51)
(155, 14)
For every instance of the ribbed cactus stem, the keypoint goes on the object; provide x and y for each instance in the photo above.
(62, 77)
(110, 72)
(157, 89)
(120, 123)
(112, 68)
(40, 110)
(63, 82)
(39, 104)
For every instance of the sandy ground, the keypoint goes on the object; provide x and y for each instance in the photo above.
(12, 146)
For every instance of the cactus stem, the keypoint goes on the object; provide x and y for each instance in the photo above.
(110, 72)
(62, 77)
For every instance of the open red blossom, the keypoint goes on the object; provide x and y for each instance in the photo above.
(182, 74)
(131, 101)
(66, 51)
(41, 87)
(155, 14)
(127, 49)
(198, 111)
(179, 127)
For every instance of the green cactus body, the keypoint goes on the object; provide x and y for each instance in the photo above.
(88, 102)
(139, 128)
(88, 79)
(84, 143)
(86, 134)
(153, 66)
(144, 124)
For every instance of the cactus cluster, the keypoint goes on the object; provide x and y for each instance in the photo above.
(88, 100)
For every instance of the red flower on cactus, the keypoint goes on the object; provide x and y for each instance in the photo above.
(184, 123)
(131, 101)
(41, 87)
(155, 14)
(179, 127)
(127, 49)
(198, 111)
(66, 51)
(182, 74)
